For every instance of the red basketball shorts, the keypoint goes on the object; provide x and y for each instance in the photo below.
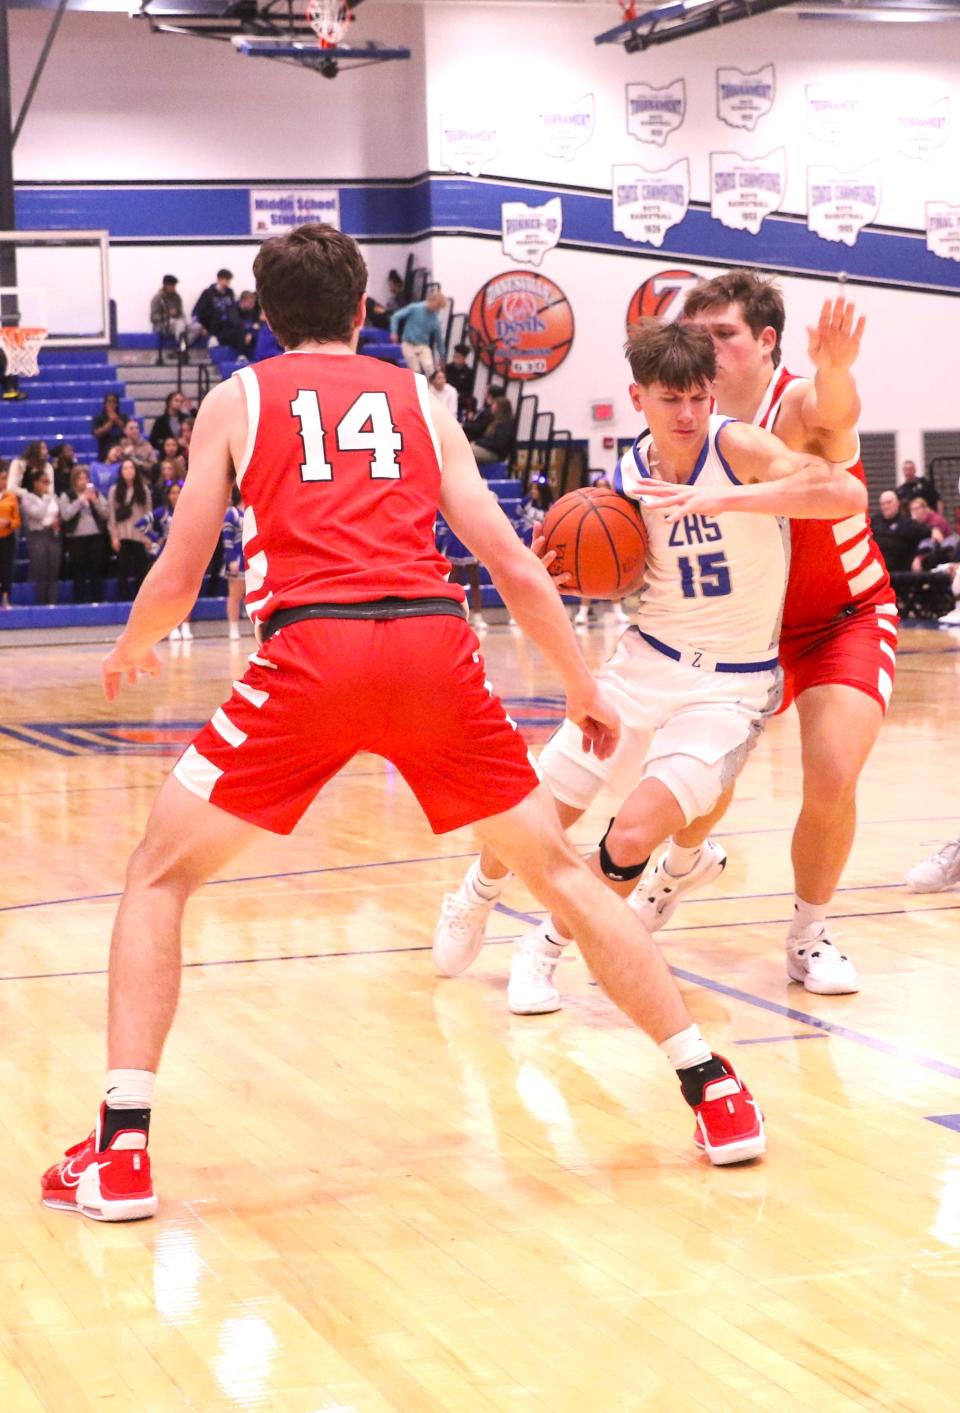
(412, 690)
(857, 651)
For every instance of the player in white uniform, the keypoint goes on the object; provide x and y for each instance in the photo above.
(695, 679)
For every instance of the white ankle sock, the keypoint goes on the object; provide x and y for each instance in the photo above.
(686, 1048)
(551, 933)
(484, 888)
(678, 860)
(130, 1089)
(807, 914)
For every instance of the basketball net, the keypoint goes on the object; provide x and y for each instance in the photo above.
(629, 8)
(329, 20)
(22, 350)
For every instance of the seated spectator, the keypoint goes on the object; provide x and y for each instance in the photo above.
(467, 411)
(460, 375)
(107, 426)
(168, 319)
(176, 408)
(496, 443)
(186, 434)
(444, 394)
(41, 517)
(9, 525)
(896, 534)
(215, 310)
(913, 485)
(34, 457)
(83, 515)
(939, 543)
(246, 327)
(422, 339)
(135, 444)
(394, 297)
(377, 316)
(64, 460)
(128, 504)
(104, 473)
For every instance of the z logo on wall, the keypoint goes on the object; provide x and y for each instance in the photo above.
(744, 97)
(654, 113)
(661, 296)
(646, 204)
(528, 232)
(743, 190)
(521, 325)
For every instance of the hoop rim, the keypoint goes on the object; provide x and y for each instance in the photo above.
(19, 333)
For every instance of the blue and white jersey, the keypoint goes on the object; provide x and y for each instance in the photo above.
(714, 587)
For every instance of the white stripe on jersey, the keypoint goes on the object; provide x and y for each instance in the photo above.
(712, 585)
(424, 398)
(251, 389)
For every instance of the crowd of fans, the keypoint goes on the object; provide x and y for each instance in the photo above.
(920, 548)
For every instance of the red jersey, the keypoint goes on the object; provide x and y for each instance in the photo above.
(340, 482)
(834, 564)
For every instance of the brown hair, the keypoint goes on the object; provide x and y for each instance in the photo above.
(676, 355)
(758, 296)
(76, 473)
(309, 283)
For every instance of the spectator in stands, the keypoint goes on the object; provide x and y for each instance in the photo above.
(168, 318)
(9, 525)
(107, 426)
(422, 336)
(215, 310)
(394, 297)
(41, 517)
(496, 443)
(104, 473)
(83, 514)
(129, 505)
(938, 543)
(183, 441)
(476, 423)
(242, 335)
(168, 424)
(173, 457)
(913, 485)
(897, 536)
(460, 375)
(377, 315)
(34, 457)
(231, 539)
(64, 460)
(441, 390)
(136, 445)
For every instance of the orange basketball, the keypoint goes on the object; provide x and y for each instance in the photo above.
(600, 539)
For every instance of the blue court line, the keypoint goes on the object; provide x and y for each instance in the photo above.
(534, 918)
(946, 1120)
(774, 1039)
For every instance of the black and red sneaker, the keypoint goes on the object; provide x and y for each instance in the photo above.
(729, 1122)
(109, 1185)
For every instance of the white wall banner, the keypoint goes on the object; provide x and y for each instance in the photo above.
(528, 232)
(467, 143)
(274, 211)
(840, 204)
(566, 127)
(744, 97)
(646, 204)
(743, 190)
(922, 124)
(654, 113)
(835, 113)
(943, 230)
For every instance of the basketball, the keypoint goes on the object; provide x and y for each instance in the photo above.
(600, 539)
(521, 325)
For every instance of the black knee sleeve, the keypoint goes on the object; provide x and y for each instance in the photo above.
(613, 871)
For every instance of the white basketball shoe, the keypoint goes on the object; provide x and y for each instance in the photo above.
(461, 931)
(814, 960)
(531, 991)
(941, 870)
(659, 893)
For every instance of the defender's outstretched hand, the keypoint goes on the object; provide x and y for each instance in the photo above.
(677, 500)
(598, 719)
(121, 666)
(835, 342)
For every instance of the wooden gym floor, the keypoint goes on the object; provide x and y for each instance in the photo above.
(380, 1191)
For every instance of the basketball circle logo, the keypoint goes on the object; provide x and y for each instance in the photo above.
(521, 325)
(662, 296)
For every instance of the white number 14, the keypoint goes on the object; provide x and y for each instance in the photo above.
(366, 426)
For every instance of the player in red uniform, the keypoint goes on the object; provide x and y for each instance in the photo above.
(837, 647)
(342, 462)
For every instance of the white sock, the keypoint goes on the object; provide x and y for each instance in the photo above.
(551, 933)
(807, 914)
(130, 1089)
(686, 1049)
(678, 860)
(485, 889)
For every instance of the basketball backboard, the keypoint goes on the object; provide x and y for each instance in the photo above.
(60, 279)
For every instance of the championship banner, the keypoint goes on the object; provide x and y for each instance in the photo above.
(922, 124)
(943, 230)
(528, 232)
(646, 204)
(840, 204)
(467, 145)
(835, 114)
(274, 211)
(661, 296)
(744, 97)
(743, 190)
(654, 113)
(566, 128)
(521, 325)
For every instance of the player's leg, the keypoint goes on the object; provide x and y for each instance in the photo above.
(625, 959)
(691, 860)
(838, 727)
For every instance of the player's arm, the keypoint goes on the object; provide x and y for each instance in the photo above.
(475, 517)
(831, 403)
(774, 481)
(170, 589)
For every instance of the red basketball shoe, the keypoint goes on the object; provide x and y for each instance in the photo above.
(729, 1122)
(112, 1185)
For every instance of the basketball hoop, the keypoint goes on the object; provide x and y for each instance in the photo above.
(629, 8)
(329, 20)
(22, 349)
